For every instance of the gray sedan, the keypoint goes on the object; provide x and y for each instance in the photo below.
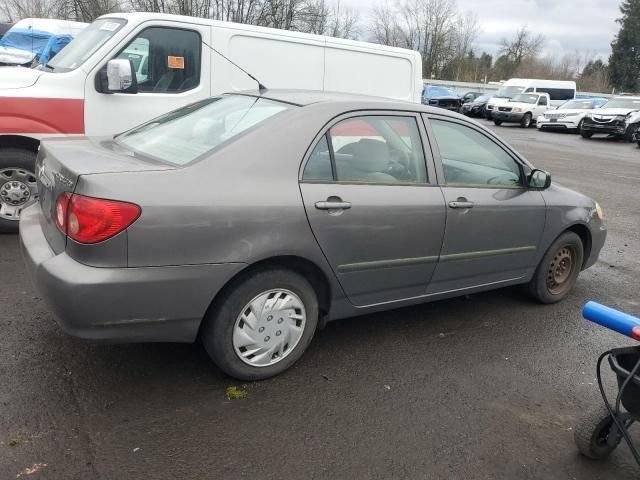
(248, 221)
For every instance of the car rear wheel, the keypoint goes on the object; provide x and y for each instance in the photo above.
(17, 185)
(497, 122)
(262, 324)
(558, 270)
(526, 121)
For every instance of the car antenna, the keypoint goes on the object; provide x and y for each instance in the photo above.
(261, 87)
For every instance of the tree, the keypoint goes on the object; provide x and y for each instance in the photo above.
(594, 77)
(624, 62)
(523, 47)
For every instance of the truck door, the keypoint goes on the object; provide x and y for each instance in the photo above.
(172, 71)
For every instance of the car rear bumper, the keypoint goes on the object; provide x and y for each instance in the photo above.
(507, 116)
(120, 304)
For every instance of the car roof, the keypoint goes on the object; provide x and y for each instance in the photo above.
(304, 98)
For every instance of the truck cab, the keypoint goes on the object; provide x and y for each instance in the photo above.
(523, 108)
(128, 68)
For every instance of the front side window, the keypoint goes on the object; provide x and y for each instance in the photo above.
(369, 149)
(470, 158)
(542, 101)
(183, 135)
(166, 60)
(85, 44)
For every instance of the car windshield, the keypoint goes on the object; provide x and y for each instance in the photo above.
(85, 44)
(525, 98)
(181, 136)
(578, 105)
(439, 92)
(482, 99)
(509, 92)
(622, 102)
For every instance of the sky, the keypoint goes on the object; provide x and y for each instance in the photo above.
(588, 25)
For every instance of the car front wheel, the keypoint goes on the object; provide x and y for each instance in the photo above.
(586, 134)
(497, 122)
(526, 120)
(262, 324)
(558, 270)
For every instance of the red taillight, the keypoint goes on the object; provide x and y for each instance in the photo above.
(92, 220)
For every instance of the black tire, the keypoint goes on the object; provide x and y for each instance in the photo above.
(217, 330)
(15, 158)
(591, 432)
(579, 127)
(555, 276)
(488, 115)
(630, 133)
(586, 134)
(526, 121)
(497, 122)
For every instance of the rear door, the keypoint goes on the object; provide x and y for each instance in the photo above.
(494, 224)
(374, 206)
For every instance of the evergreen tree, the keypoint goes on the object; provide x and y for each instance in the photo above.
(624, 63)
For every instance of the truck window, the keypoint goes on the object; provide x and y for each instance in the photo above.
(559, 93)
(166, 60)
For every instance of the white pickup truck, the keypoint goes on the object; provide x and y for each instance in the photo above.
(523, 109)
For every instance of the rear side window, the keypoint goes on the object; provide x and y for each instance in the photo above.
(166, 60)
(369, 149)
(183, 135)
(558, 93)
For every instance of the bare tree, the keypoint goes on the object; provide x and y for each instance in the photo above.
(524, 46)
(466, 32)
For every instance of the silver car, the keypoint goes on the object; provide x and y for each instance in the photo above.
(248, 221)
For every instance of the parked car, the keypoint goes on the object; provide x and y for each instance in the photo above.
(611, 118)
(289, 209)
(569, 115)
(559, 91)
(524, 109)
(441, 97)
(89, 87)
(33, 40)
(470, 97)
(477, 108)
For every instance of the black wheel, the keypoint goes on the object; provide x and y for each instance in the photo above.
(591, 432)
(629, 134)
(17, 185)
(498, 122)
(558, 270)
(526, 121)
(579, 127)
(488, 115)
(586, 134)
(262, 324)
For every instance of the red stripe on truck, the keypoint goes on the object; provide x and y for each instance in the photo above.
(41, 115)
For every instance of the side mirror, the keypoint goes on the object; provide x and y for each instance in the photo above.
(539, 179)
(118, 76)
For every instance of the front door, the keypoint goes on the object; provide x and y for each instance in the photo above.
(494, 224)
(374, 207)
(171, 69)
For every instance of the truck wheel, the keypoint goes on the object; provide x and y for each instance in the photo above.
(585, 134)
(262, 324)
(17, 185)
(558, 270)
(526, 121)
(497, 122)
(591, 432)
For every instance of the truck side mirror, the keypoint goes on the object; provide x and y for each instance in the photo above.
(539, 179)
(117, 76)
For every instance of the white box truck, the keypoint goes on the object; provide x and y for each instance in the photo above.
(176, 60)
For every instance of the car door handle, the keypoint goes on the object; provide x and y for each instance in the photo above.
(461, 204)
(330, 205)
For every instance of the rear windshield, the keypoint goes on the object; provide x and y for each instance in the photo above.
(183, 135)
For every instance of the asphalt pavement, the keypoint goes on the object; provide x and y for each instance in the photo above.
(481, 387)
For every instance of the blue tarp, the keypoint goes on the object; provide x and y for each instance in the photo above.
(43, 45)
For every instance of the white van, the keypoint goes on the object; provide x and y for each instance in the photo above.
(559, 91)
(174, 65)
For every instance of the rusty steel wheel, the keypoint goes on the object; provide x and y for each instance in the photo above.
(561, 271)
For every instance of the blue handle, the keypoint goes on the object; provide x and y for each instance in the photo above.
(613, 319)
